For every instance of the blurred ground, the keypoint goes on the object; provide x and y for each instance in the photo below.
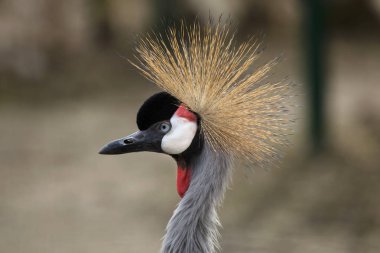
(62, 96)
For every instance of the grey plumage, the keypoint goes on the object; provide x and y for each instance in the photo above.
(193, 227)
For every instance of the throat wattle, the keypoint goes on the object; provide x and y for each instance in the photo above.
(183, 180)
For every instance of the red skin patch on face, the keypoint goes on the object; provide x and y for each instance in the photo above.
(183, 173)
(184, 113)
(183, 180)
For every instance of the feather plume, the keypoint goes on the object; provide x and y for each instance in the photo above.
(241, 113)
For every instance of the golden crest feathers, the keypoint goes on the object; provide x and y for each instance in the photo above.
(241, 113)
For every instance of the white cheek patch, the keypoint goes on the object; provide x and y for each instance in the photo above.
(180, 136)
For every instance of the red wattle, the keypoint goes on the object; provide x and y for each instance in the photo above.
(184, 113)
(183, 180)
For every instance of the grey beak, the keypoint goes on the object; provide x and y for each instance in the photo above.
(138, 141)
(131, 143)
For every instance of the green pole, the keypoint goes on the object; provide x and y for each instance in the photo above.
(315, 52)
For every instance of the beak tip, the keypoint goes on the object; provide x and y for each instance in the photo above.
(113, 148)
(104, 150)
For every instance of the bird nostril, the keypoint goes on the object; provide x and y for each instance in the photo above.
(128, 141)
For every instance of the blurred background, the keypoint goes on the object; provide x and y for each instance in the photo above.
(66, 89)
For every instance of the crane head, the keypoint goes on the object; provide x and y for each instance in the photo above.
(213, 96)
(165, 126)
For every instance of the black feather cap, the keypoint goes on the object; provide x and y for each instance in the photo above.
(161, 106)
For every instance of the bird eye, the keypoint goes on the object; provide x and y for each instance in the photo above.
(165, 127)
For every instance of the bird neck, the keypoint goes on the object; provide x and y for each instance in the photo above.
(194, 224)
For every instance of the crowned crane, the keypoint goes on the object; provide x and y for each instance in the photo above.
(213, 110)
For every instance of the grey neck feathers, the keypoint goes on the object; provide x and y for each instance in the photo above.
(193, 227)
